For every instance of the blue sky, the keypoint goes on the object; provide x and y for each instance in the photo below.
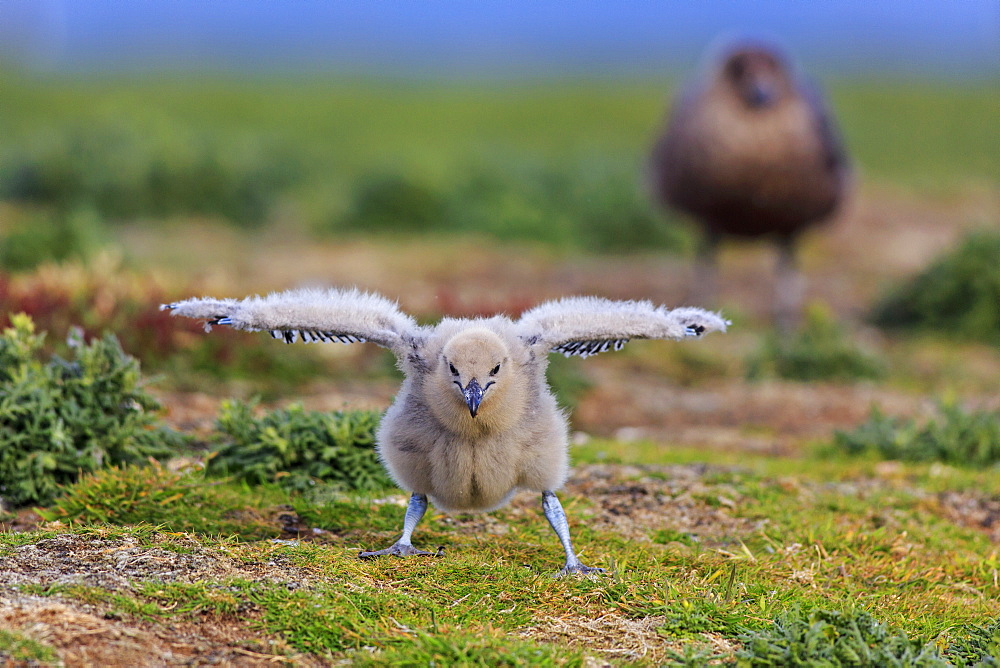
(517, 37)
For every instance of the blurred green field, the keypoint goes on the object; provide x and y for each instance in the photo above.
(350, 126)
(313, 144)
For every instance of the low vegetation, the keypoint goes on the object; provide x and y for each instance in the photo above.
(741, 565)
(37, 237)
(298, 448)
(820, 350)
(956, 296)
(723, 550)
(833, 638)
(954, 436)
(146, 164)
(466, 156)
(174, 499)
(597, 206)
(106, 296)
(19, 649)
(59, 419)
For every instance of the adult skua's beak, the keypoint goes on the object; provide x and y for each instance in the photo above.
(761, 94)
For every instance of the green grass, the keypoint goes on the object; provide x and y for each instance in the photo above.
(829, 536)
(171, 500)
(923, 134)
(17, 648)
(820, 463)
(354, 122)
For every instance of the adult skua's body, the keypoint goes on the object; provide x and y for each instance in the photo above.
(749, 150)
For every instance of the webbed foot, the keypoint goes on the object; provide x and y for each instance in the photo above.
(579, 568)
(397, 550)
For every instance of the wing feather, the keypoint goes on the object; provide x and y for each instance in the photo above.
(314, 315)
(586, 326)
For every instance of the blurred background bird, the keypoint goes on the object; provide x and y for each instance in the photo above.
(750, 150)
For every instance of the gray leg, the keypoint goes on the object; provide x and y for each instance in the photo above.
(557, 518)
(705, 282)
(402, 547)
(789, 288)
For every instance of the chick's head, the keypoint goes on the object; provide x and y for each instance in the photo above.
(476, 361)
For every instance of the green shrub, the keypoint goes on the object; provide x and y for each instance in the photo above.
(976, 645)
(64, 418)
(595, 206)
(297, 448)
(50, 238)
(955, 437)
(833, 638)
(818, 351)
(568, 381)
(128, 166)
(393, 202)
(958, 295)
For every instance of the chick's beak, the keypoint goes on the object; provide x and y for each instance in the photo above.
(473, 394)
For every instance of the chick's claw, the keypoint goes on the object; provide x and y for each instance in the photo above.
(398, 550)
(580, 569)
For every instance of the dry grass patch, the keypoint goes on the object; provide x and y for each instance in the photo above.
(114, 561)
(616, 637)
(83, 635)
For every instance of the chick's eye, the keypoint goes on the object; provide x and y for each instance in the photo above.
(495, 370)
(452, 368)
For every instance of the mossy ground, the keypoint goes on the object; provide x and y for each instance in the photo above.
(696, 555)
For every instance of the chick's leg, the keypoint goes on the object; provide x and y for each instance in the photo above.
(557, 518)
(402, 547)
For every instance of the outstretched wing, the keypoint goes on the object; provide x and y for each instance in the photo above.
(586, 326)
(345, 316)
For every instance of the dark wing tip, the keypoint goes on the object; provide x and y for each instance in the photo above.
(307, 335)
(585, 348)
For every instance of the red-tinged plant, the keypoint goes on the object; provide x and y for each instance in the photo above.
(106, 297)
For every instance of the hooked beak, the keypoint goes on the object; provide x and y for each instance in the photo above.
(760, 95)
(473, 396)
